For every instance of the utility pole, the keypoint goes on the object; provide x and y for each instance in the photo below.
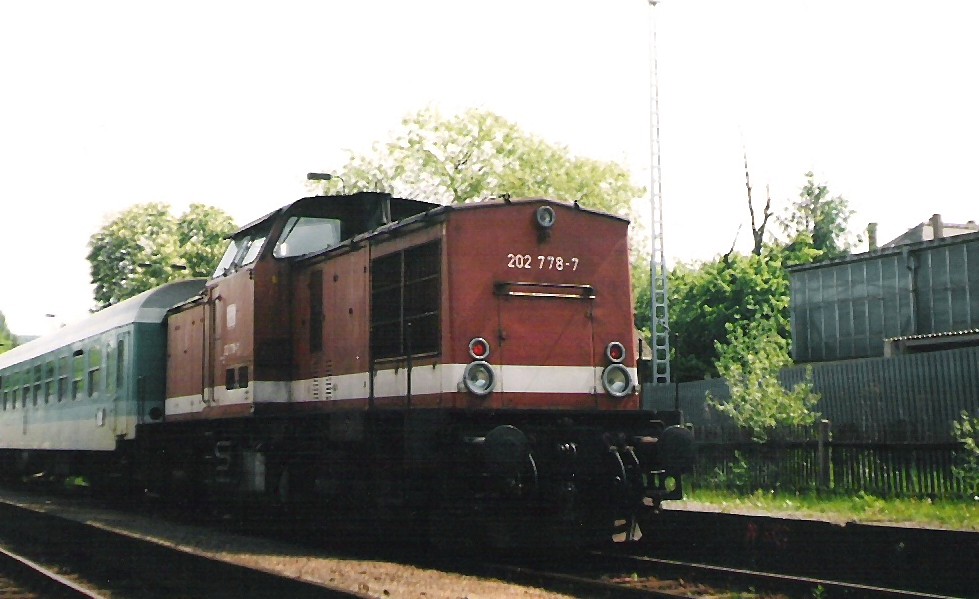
(659, 311)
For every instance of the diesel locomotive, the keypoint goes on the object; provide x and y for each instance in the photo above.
(381, 359)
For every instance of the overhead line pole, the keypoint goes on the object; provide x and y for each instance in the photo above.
(659, 310)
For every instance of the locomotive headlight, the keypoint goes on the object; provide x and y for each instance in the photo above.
(545, 217)
(479, 378)
(615, 352)
(617, 380)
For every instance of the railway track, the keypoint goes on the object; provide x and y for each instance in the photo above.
(22, 578)
(99, 562)
(126, 567)
(645, 568)
(617, 576)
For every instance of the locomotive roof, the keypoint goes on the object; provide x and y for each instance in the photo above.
(149, 307)
(400, 207)
(404, 208)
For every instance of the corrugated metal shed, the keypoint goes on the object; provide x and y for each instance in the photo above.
(908, 398)
(846, 308)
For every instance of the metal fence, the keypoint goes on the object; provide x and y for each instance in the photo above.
(890, 434)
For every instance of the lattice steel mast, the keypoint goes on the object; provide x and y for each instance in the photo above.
(659, 310)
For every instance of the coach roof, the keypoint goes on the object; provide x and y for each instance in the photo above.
(148, 307)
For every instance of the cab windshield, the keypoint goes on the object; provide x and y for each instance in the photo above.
(307, 234)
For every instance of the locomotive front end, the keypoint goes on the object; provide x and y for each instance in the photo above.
(550, 443)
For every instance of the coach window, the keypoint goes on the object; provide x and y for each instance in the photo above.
(63, 370)
(38, 383)
(3, 393)
(121, 365)
(78, 374)
(94, 370)
(49, 381)
(12, 388)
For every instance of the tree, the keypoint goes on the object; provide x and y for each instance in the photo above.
(704, 298)
(479, 154)
(7, 339)
(145, 246)
(757, 226)
(750, 362)
(201, 233)
(818, 221)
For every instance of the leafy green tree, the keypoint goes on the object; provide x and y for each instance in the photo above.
(750, 362)
(703, 299)
(145, 246)
(479, 154)
(818, 222)
(201, 233)
(7, 339)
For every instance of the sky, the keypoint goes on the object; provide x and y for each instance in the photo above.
(108, 104)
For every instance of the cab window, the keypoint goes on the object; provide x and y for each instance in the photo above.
(252, 247)
(228, 259)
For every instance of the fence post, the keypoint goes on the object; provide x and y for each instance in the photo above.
(823, 446)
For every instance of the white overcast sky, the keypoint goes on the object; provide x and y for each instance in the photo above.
(108, 104)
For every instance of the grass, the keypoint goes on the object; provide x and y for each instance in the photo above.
(958, 515)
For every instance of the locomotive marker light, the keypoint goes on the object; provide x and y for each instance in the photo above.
(616, 378)
(479, 377)
(479, 348)
(615, 352)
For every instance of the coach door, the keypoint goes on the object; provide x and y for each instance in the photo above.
(118, 382)
(545, 344)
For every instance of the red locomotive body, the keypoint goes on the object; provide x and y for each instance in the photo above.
(387, 357)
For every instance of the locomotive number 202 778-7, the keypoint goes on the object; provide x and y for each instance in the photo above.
(541, 262)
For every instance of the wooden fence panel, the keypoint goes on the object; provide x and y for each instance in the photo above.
(923, 470)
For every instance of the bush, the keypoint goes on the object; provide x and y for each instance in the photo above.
(966, 470)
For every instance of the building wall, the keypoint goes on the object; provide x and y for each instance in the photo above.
(846, 309)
